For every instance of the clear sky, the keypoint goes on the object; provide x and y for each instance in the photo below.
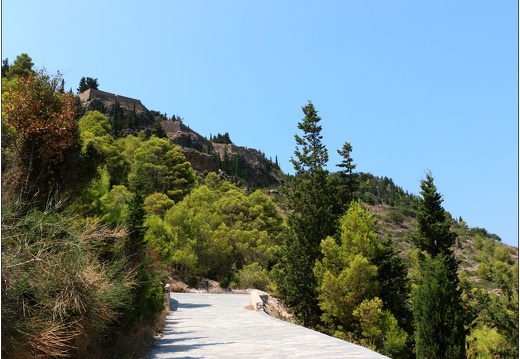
(412, 85)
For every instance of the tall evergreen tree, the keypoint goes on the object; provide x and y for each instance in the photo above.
(82, 85)
(131, 120)
(5, 67)
(438, 313)
(136, 215)
(394, 284)
(117, 119)
(434, 235)
(309, 197)
(348, 181)
(437, 306)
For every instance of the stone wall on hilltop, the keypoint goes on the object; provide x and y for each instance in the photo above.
(96, 100)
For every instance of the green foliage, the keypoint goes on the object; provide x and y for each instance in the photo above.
(88, 83)
(310, 197)
(159, 236)
(437, 307)
(136, 213)
(217, 230)
(117, 119)
(157, 204)
(348, 180)
(5, 67)
(382, 190)
(164, 167)
(492, 322)
(439, 319)
(483, 271)
(486, 343)
(114, 206)
(93, 125)
(434, 235)
(378, 329)
(503, 277)
(350, 285)
(484, 233)
(394, 285)
(502, 254)
(22, 66)
(222, 138)
(396, 217)
(253, 276)
(97, 144)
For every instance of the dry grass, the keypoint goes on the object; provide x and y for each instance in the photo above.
(60, 295)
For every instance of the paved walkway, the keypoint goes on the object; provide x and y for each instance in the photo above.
(219, 326)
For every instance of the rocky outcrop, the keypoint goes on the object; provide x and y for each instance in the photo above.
(184, 136)
(200, 161)
(263, 302)
(246, 164)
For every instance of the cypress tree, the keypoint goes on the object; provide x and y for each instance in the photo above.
(394, 284)
(117, 119)
(82, 85)
(438, 314)
(136, 216)
(437, 306)
(348, 181)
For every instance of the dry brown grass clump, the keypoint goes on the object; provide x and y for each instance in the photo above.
(65, 284)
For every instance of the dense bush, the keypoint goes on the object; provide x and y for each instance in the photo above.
(65, 284)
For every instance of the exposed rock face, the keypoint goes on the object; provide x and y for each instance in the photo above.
(104, 102)
(204, 155)
(200, 161)
(184, 136)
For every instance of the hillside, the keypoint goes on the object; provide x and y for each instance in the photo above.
(242, 165)
(245, 166)
(393, 207)
(395, 211)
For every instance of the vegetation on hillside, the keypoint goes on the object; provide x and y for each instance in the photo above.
(95, 219)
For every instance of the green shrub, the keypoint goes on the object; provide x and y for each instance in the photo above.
(253, 276)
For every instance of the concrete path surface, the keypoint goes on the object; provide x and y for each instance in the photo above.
(205, 325)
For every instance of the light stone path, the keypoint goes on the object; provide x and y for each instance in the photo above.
(205, 325)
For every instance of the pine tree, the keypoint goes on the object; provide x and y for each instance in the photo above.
(348, 180)
(87, 83)
(309, 197)
(437, 306)
(92, 83)
(21, 67)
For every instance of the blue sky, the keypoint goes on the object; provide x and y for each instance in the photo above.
(412, 85)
